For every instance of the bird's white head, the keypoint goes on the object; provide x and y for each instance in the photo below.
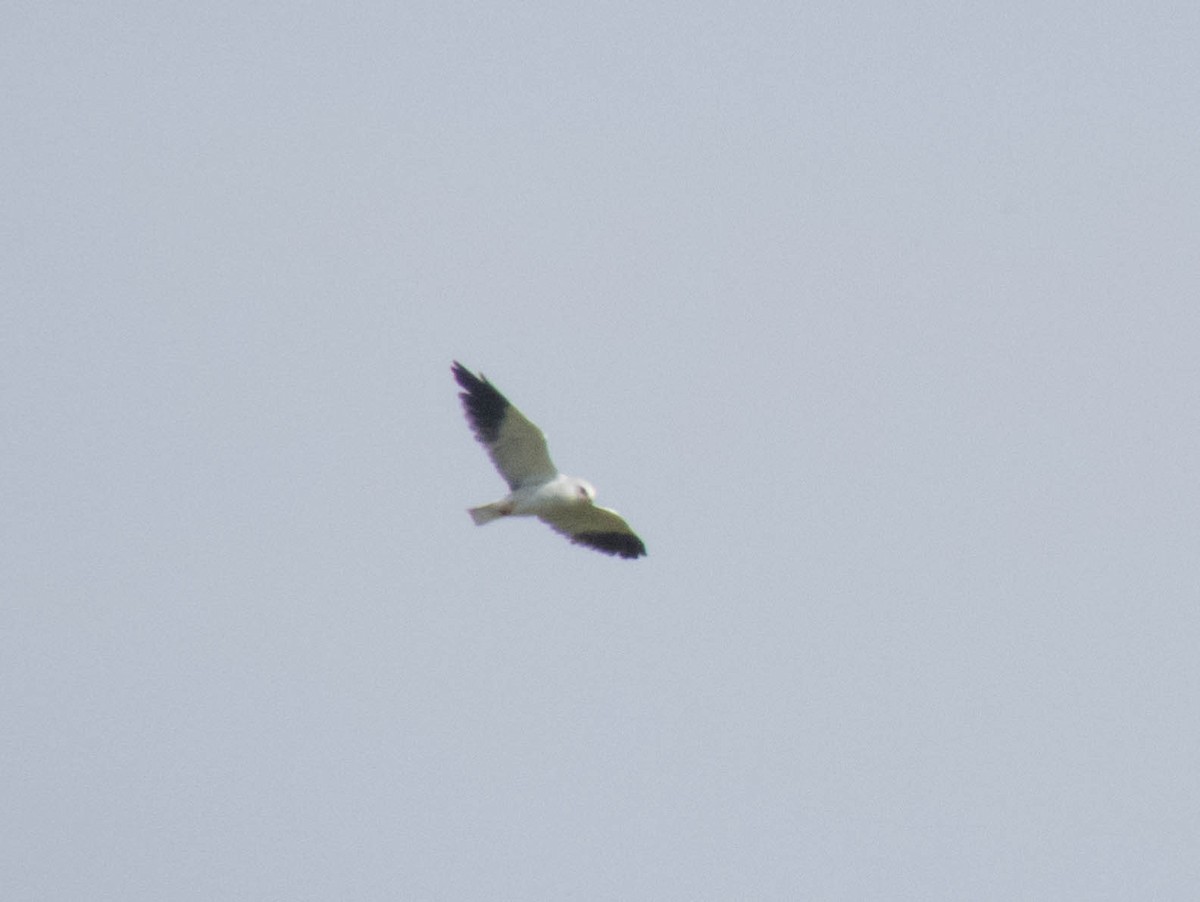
(585, 491)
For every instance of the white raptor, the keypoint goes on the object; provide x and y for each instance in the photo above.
(518, 449)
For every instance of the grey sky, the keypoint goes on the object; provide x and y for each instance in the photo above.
(880, 322)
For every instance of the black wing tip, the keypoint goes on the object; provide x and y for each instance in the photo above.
(484, 405)
(622, 544)
(465, 377)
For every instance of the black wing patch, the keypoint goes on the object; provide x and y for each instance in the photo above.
(623, 544)
(485, 407)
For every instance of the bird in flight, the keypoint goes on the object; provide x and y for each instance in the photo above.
(518, 449)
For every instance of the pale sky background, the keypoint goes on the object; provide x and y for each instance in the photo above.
(880, 322)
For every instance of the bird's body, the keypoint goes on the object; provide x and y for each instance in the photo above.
(518, 450)
(532, 500)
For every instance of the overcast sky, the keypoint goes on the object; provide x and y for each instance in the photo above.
(879, 322)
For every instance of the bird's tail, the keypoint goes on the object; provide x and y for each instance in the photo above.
(486, 513)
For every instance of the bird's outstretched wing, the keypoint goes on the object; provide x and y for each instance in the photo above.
(515, 445)
(596, 527)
